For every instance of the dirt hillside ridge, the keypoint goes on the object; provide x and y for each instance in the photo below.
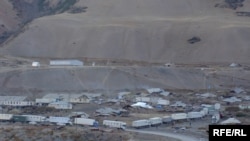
(141, 30)
(119, 78)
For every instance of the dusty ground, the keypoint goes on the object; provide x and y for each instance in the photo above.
(18, 77)
(35, 133)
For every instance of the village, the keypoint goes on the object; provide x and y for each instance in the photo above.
(147, 108)
(153, 109)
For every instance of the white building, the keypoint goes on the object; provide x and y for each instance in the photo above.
(80, 99)
(15, 101)
(142, 99)
(60, 105)
(18, 103)
(66, 63)
(72, 98)
(45, 101)
(163, 102)
(154, 90)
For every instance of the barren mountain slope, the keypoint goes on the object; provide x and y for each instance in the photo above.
(142, 30)
(119, 78)
(8, 19)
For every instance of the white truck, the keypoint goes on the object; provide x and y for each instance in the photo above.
(166, 119)
(5, 117)
(59, 120)
(204, 111)
(86, 121)
(155, 121)
(114, 124)
(179, 116)
(34, 118)
(141, 123)
(194, 115)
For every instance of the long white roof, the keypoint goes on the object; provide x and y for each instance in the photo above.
(12, 98)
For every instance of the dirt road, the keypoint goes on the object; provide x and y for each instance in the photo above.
(171, 135)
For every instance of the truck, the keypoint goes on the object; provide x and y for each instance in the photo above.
(166, 119)
(35, 118)
(141, 123)
(5, 117)
(59, 120)
(194, 115)
(155, 121)
(19, 118)
(86, 121)
(179, 116)
(204, 111)
(114, 124)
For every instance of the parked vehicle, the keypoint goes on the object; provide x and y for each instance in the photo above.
(194, 115)
(5, 117)
(166, 119)
(19, 118)
(155, 121)
(35, 118)
(115, 124)
(141, 123)
(86, 121)
(179, 116)
(59, 120)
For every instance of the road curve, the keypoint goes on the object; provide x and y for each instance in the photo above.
(171, 135)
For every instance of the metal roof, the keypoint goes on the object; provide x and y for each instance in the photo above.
(65, 97)
(12, 98)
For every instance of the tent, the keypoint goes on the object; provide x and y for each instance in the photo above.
(231, 121)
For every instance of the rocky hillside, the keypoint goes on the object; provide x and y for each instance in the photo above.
(190, 31)
(14, 14)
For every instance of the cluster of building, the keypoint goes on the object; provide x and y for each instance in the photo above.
(57, 101)
(153, 96)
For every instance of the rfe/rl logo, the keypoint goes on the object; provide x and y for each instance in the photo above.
(229, 132)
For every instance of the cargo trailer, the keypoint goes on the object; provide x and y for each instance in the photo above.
(155, 121)
(114, 124)
(166, 119)
(86, 121)
(179, 116)
(194, 115)
(5, 117)
(141, 123)
(35, 118)
(19, 118)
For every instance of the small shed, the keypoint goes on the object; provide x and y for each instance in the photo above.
(61, 105)
(231, 121)
(36, 64)
(154, 90)
(163, 102)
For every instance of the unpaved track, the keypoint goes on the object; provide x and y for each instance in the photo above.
(171, 135)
